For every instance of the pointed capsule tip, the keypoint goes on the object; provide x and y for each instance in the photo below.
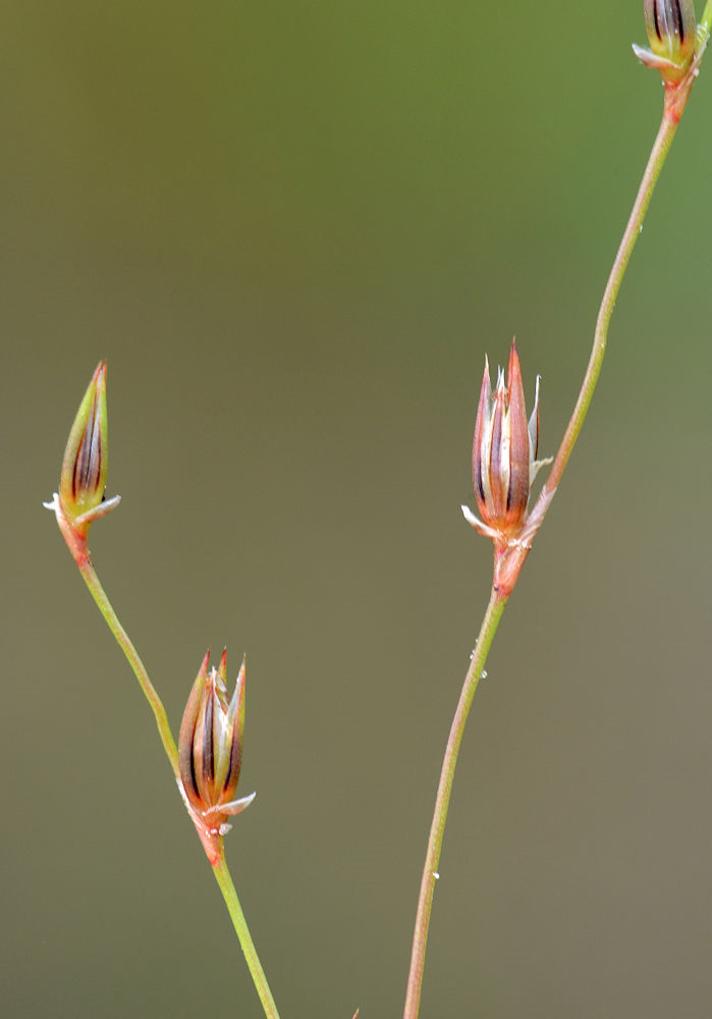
(222, 667)
(513, 356)
(514, 364)
(485, 387)
(83, 474)
(99, 377)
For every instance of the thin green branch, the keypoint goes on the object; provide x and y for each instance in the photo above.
(675, 104)
(661, 147)
(90, 578)
(229, 893)
(706, 21)
(80, 554)
(430, 875)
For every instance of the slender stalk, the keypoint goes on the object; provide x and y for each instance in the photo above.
(706, 22)
(229, 893)
(139, 670)
(442, 803)
(219, 868)
(661, 147)
(675, 103)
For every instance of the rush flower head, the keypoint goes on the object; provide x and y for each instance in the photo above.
(672, 33)
(82, 481)
(210, 752)
(504, 456)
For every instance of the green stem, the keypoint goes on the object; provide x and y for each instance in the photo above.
(442, 803)
(674, 108)
(706, 22)
(220, 871)
(139, 670)
(661, 147)
(229, 893)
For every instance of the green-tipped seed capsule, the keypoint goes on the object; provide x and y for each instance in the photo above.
(672, 33)
(85, 466)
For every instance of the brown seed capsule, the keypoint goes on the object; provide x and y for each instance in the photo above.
(504, 452)
(210, 752)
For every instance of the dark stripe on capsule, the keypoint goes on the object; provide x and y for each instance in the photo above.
(680, 21)
(208, 743)
(193, 779)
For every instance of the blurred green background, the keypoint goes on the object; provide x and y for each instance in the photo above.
(294, 229)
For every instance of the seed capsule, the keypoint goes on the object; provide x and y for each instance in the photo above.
(210, 752)
(85, 466)
(672, 33)
(504, 452)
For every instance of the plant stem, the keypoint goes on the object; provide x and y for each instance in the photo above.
(706, 22)
(442, 802)
(661, 147)
(101, 598)
(229, 893)
(675, 103)
(219, 869)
